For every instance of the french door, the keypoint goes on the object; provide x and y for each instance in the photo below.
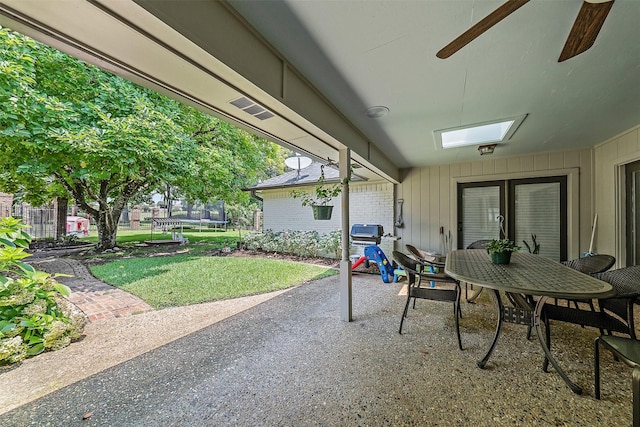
(534, 212)
(632, 188)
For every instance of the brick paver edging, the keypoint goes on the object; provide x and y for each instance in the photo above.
(98, 300)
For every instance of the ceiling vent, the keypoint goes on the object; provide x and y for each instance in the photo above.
(253, 108)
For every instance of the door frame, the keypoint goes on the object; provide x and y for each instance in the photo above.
(476, 184)
(573, 200)
(624, 195)
(562, 180)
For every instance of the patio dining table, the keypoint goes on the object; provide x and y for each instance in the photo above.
(526, 275)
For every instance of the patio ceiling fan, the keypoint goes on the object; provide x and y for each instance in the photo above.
(582, 36)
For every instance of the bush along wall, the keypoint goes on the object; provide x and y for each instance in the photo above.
(34, 315)
(300, 243)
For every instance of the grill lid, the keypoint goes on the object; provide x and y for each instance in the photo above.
(366, 233)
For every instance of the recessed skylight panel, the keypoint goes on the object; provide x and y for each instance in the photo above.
(478, 134)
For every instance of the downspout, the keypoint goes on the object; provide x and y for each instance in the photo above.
(255, 195)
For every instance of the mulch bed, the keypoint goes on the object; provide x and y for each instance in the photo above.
(329, 262)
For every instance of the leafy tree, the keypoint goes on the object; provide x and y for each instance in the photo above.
(69, 129)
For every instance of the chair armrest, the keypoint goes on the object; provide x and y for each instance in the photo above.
(435, 264)
(437, 277)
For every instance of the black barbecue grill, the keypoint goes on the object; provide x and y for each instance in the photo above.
(366, 234)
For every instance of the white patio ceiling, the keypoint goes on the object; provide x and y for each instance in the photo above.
(319, 64)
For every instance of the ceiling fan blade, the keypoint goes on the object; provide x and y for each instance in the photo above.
(483, 25)
(585, 28)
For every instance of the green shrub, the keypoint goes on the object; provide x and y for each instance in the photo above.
(34, 315)
(331, 243)
(301, 243)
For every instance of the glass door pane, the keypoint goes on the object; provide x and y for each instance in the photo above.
(539, 210)
(478, 208)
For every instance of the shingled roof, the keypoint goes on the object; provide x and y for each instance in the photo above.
(307, 176)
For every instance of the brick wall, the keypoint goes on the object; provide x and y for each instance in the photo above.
(370, 203)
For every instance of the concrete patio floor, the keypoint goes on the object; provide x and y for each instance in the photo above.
(290, 361)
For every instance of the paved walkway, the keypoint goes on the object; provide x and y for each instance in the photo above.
(96, 299)
(290, 361)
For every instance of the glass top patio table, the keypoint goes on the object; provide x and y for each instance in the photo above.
(526, 275)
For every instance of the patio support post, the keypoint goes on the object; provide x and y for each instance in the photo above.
(344, 161)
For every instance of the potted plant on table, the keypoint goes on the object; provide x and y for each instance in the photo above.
(500, 250)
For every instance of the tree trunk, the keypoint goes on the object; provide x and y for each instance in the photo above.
(107, 214)
(169, 202)
(61, 205)
(107, 231)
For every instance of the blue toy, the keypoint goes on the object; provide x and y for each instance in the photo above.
(374, 253)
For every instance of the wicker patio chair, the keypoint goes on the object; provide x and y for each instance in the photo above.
(587, 265)
(626, 282)
(590, 265)
(414, 290)
(615, 314)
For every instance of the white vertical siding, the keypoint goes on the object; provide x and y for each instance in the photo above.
(610, 158)
(430, 200)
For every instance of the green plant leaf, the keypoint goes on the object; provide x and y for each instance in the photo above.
(36, 349)
(25, 267)
(6, 242)
(6, 326)
(27, 323)
(35, 340)
(22, 243)
(62, 289)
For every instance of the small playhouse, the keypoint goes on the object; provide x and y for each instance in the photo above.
(78, 226)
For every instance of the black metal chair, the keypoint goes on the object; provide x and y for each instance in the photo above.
(628, 350)
(478, 244)
(431, 261)
(437, 261)
(415, 275)
(427, 258)
(614, 315)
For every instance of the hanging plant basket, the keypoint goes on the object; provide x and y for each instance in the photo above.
(322, 212)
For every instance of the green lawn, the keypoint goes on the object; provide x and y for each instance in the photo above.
(137, 236)
(200, 242)
(187, 279)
